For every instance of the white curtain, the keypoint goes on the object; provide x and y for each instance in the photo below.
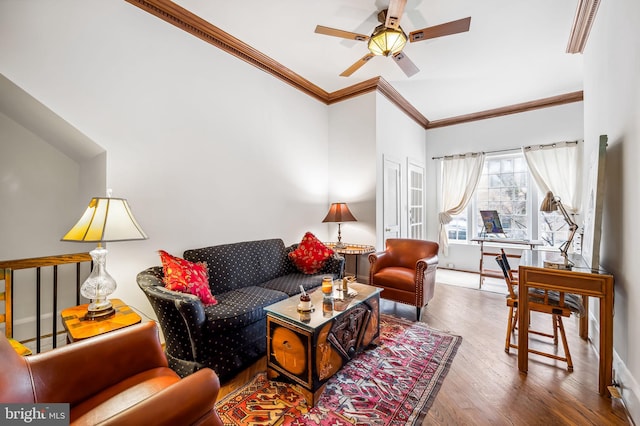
(557, 168)
(460, 176)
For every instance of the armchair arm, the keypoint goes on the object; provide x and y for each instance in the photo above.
(76, 371)
(189, 401)
(192, 312)
(426, 278)
(427, 263)
(380, 260)
(181, 316)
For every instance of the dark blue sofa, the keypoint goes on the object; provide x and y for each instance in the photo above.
(231, 335)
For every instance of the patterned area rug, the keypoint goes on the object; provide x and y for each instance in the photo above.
(393, 384)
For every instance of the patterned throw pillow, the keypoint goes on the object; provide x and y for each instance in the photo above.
(311, 254)
(186, 277)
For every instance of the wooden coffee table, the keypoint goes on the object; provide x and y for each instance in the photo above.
(309, 348)
(79, 328)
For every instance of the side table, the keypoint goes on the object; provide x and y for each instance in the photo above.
(356, 250)
(79, 328)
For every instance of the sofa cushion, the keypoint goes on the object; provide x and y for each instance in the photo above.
(237, 265)
(134, 390)
(291, 283)
(239, 308)
(186, 277)
(396, 277)
(311, 254)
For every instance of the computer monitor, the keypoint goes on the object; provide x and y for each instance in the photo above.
(491, 222)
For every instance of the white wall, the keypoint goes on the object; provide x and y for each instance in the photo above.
(39, 191)
(42, 196)
(612, 107)
(362, 131)
(400, 138)
(540, 126)
(206, 148)
(352, 171)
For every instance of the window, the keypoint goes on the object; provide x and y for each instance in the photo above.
(507, 186)
(457, 228)
(504, 186)
(554, 230)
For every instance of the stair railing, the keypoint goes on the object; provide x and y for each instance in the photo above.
(39, 265)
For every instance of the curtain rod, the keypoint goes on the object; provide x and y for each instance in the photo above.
(497, 151)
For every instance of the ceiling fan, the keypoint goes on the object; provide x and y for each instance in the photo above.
(388, 38)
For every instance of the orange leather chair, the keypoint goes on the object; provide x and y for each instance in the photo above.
(118, 378)
(406, 271)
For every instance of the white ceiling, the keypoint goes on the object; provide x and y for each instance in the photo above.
(514, 51)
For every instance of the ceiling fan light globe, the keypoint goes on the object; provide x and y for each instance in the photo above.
(387, 41)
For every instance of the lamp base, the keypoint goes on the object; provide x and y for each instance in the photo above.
(340, 245)
(557, 265)
(98, 315)
(99, 310)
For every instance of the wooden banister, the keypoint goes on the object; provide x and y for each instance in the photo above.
(7, 269)
(36, 262)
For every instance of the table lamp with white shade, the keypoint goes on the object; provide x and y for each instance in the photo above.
(105, 220)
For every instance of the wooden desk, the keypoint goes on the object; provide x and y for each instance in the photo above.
(79, 328)
(580, 280)
(496, 243)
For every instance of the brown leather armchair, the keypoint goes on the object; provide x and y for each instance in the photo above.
(118, 378)
(406, 271)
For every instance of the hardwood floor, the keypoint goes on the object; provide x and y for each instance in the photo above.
(484, 386)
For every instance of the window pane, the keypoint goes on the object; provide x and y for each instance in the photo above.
(507, 165)
(503, 187)
(457, 228)
(492, 167)
(553, 229)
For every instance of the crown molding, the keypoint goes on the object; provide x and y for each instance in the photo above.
(392, 94)
(193, 24)
(512, 109)
(354, 90)
(582, 23)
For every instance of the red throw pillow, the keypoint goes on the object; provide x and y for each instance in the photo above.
(311, 254)
(186, 277)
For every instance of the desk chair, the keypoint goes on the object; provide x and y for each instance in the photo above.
(6, 317)
(556, 304)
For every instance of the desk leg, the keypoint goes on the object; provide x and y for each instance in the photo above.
(481, 264)
(523, 326)
(584, 320)
(605, 371)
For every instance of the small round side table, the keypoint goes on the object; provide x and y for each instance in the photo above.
(352, 250)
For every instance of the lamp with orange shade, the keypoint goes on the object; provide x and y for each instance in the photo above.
(339, 213)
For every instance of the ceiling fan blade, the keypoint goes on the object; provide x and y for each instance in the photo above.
(353, 68)
(394, 13)
(405, 64)
(340, 33)
(448, 28)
